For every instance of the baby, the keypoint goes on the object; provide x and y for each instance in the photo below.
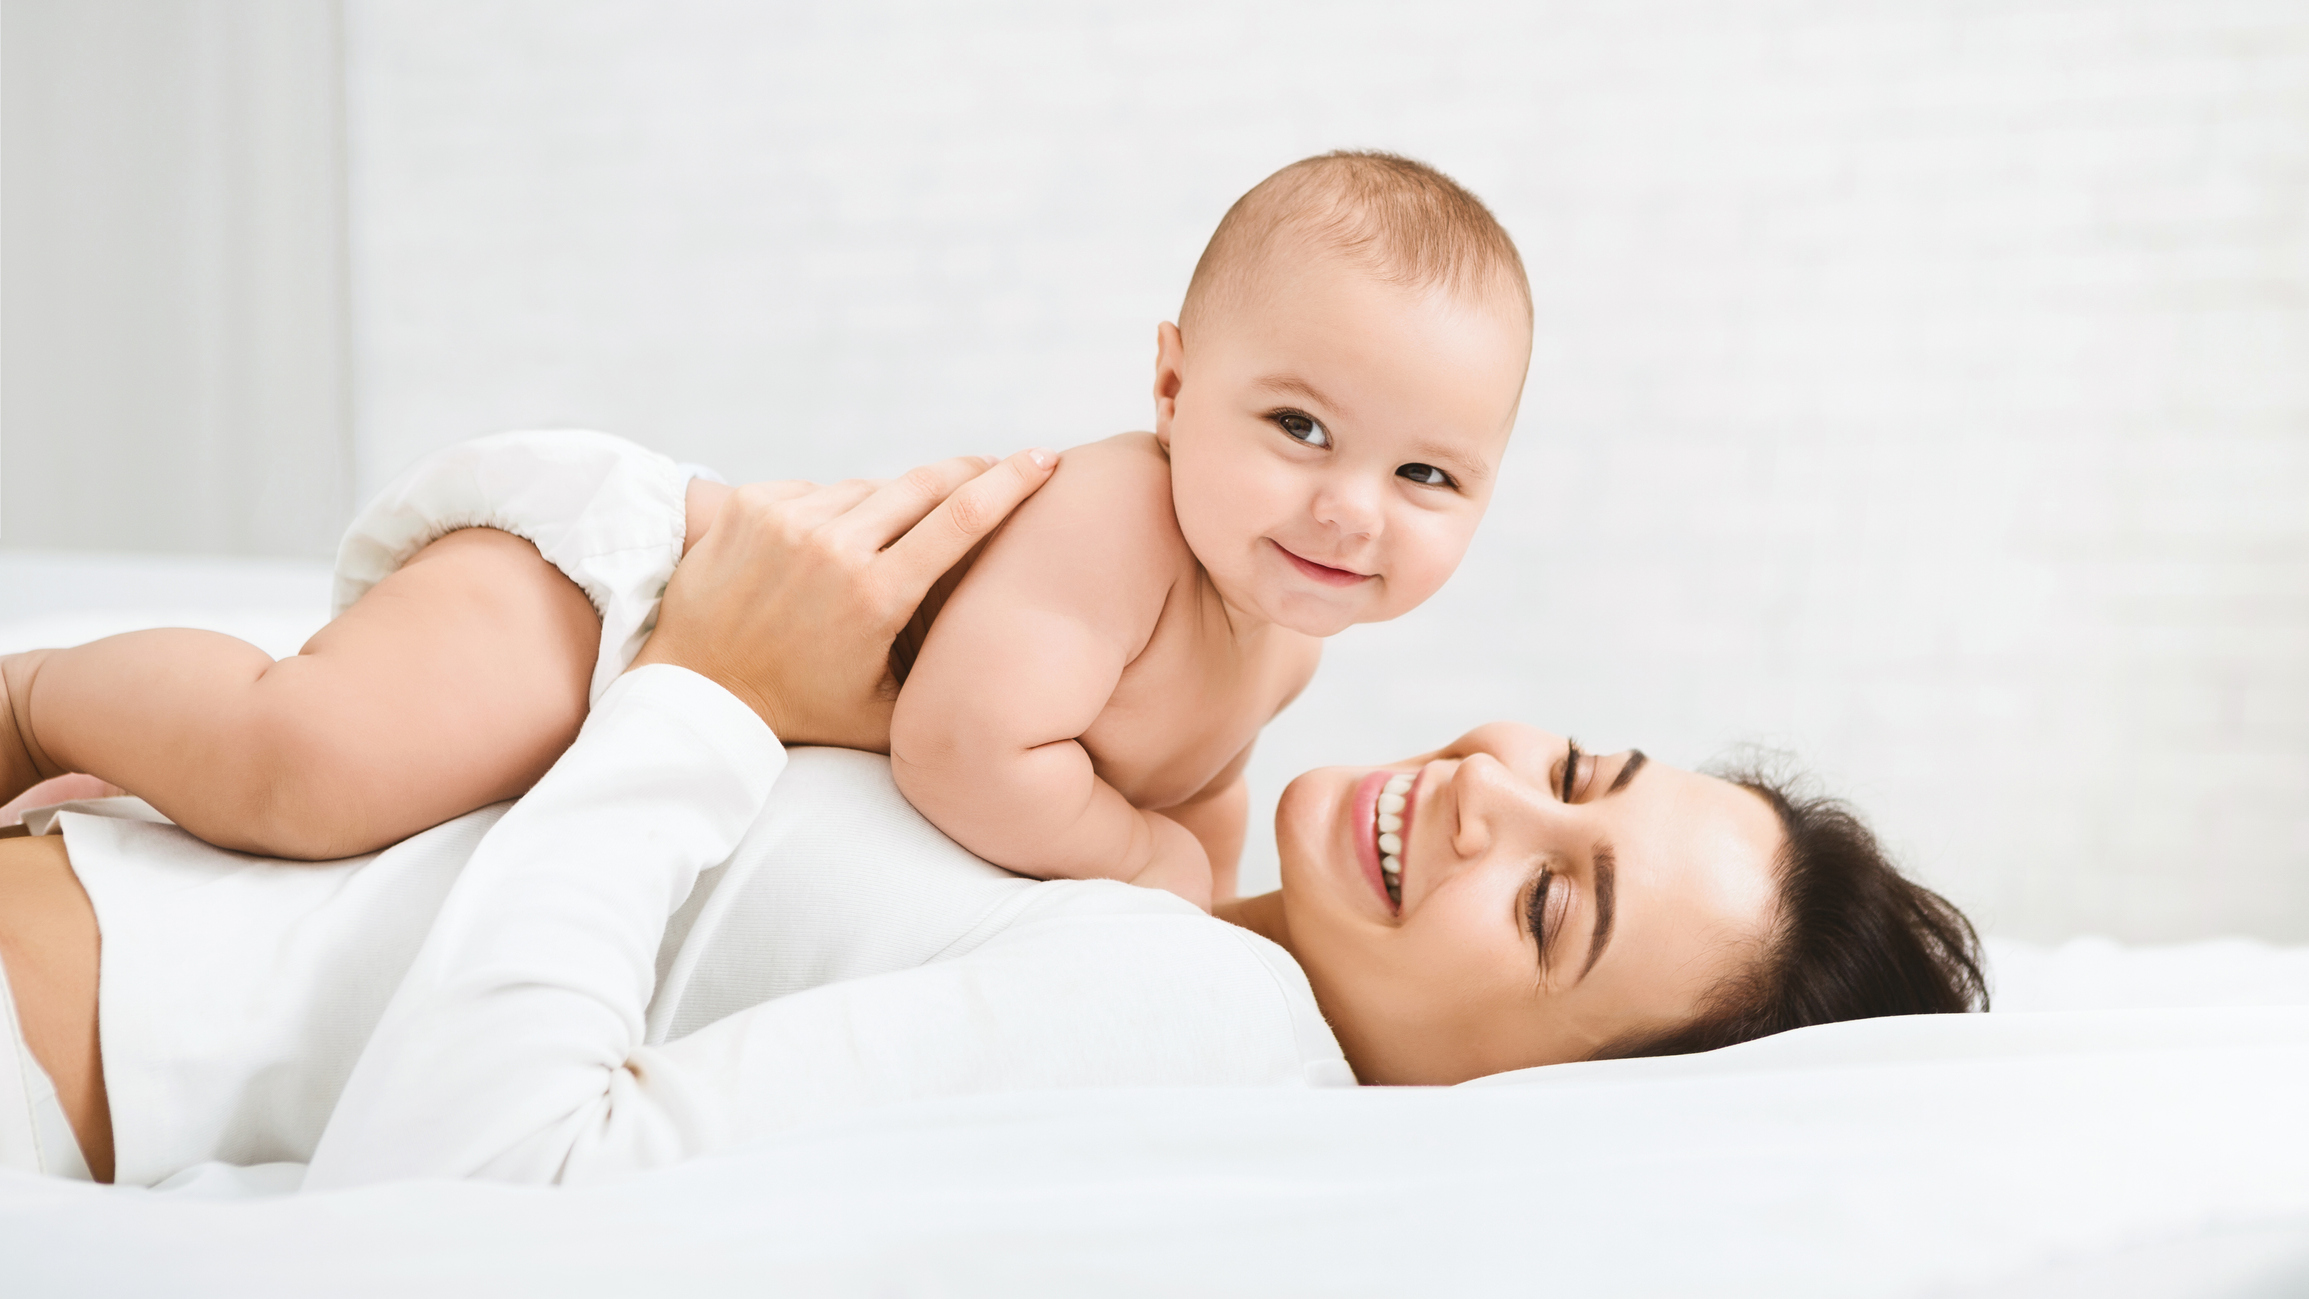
(1078, 700)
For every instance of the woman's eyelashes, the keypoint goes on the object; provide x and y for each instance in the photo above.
(1302, 428)
(1567, 781)
(1535, 914)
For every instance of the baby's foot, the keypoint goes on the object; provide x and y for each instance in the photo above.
(20, 759)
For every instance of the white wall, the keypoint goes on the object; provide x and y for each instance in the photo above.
(1920, 386)
(172, 224)
(1920, 383)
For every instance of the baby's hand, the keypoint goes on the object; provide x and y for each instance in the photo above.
(1180, 864)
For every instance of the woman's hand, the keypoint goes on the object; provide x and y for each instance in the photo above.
(791, 599)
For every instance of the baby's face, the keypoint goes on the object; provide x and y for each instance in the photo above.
(1334, 443)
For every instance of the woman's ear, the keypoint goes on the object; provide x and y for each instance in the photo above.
(1170, 361)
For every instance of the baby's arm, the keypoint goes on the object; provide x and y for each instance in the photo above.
(1022, 659)
(1217, 817)
(453, 683)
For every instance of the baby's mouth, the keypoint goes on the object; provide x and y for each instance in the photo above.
(1390, 817)
(1321, 572)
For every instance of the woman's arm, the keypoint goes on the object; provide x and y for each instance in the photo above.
(509, 1049)
(514, 1051)
(504, 1053)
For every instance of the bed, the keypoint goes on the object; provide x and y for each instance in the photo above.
(2129, 1122)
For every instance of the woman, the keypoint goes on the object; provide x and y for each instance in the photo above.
(479, 1000)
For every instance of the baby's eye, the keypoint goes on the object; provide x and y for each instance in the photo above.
(1301, 428)
(1427, 474)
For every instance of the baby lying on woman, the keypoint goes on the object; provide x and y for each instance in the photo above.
(1077, 700)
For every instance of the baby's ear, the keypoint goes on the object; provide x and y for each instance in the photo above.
(1170, 360)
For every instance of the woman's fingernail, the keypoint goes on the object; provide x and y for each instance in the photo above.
(1042, 457)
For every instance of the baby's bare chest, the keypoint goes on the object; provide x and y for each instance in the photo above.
(1191, 701)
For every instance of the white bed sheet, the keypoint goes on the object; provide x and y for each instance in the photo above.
(2058, 1146)
(2113, 1153)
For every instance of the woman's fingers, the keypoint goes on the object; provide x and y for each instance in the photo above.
(821, 506)
(789, 600)
(901, 502)
(960, 521)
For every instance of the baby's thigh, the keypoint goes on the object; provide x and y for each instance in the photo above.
(465, 672)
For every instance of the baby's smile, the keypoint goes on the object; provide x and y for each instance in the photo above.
(1324, 573)
(1334, 438)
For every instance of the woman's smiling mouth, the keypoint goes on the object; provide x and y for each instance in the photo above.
(1381, 811)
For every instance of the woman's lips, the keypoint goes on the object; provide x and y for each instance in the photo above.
(1364, 807)
(1323, 573)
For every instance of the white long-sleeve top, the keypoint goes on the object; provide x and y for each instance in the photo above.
(517, 1046)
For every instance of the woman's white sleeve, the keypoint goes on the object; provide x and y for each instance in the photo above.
(509, 1051)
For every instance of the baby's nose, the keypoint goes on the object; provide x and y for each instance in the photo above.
(1350, 507)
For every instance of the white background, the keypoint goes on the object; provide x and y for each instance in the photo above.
(1922, 386)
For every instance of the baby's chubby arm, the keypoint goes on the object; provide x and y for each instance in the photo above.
(1025, 655)
(1218, 817)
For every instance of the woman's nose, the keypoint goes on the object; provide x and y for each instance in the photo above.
(1497, 804)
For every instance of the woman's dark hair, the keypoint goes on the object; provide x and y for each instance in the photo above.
(1853, 939)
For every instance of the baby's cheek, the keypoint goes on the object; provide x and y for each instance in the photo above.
(1422, 561)
(1214, 512)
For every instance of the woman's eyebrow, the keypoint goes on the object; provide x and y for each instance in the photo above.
(1607, 870)
(1628, 770)
(1606, 886)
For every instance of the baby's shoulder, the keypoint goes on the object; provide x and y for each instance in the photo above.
(1118, 490)
(1100, 539)
(1127, 472)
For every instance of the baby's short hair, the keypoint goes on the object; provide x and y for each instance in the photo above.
(1404, 221)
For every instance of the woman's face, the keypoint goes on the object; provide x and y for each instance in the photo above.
(1535, 925)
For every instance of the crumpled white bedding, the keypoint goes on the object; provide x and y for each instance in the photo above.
(2059, 1146)
(2112, 1153)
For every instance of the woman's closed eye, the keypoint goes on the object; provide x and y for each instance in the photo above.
(1571, 779)
(1535, 914)
(1302, 428)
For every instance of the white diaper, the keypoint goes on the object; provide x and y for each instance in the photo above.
(35, 1137)
(606, 512)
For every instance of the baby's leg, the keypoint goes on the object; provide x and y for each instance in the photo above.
(453, 683)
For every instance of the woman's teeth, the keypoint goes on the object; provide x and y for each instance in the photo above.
(1390, 827)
